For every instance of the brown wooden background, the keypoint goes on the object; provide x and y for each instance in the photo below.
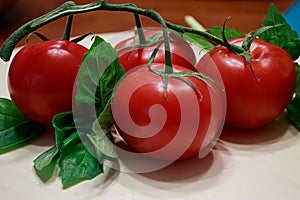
(246, 15)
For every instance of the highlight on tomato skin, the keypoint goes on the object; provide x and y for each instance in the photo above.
(41, 78)
(181, 51)
(172, 126)
(254, 100)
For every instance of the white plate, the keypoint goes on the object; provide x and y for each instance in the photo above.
(262, 164)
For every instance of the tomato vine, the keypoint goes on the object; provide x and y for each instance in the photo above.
(70, 8)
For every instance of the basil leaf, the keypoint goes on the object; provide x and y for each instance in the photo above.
(106, 85)
(101, 137)
(64, 126)
(293, 108)
(69, 155)
(45, 167)
(45, 164)
(293, 111)
(199, 40)
(15, 128)
(230, 33)
(76, 154)
(77, 163)
(43, 160)
(297, 68)
(98, 74)
(283, 37)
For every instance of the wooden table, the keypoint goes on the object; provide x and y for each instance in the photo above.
(246, 15)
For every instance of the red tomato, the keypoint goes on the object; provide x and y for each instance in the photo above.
(181, 52)
(171, 127)
(41, 78)
(250, 102)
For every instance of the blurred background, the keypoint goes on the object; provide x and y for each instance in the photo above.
(246, 15)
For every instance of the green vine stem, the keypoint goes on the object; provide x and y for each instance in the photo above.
(140, 32)
(70, 8)
(68, 28)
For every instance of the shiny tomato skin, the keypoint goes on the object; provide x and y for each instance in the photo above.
(140, 92)
(181, 52)
(41, 78)
(254, 102)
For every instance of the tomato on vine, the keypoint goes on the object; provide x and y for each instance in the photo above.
(165, 121)
(132, 53)
(257, 94)
(41, 78)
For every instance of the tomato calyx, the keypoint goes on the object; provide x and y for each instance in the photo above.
(244, 50)
(168, 72)
(152, 40)
(183, 77)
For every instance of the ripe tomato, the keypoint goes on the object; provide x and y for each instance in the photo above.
(41, 78)
(254, 102)
(181, 52)
(176, 126)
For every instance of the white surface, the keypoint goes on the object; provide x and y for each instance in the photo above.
(261, 164)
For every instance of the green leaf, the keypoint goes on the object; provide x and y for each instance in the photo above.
(199, 40)
(77, 163)
(108, 81)
(297, 68)
(283, 37)
(293, 111)
(44, 159)
(297, 89)
(230, 33)
(293, 108)
(101, 137)
(249, 38)
(15, 128)
(98, 74)
(64, 126)
(70, 155)
(48, 171)
(45, 164)
(76, 154)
